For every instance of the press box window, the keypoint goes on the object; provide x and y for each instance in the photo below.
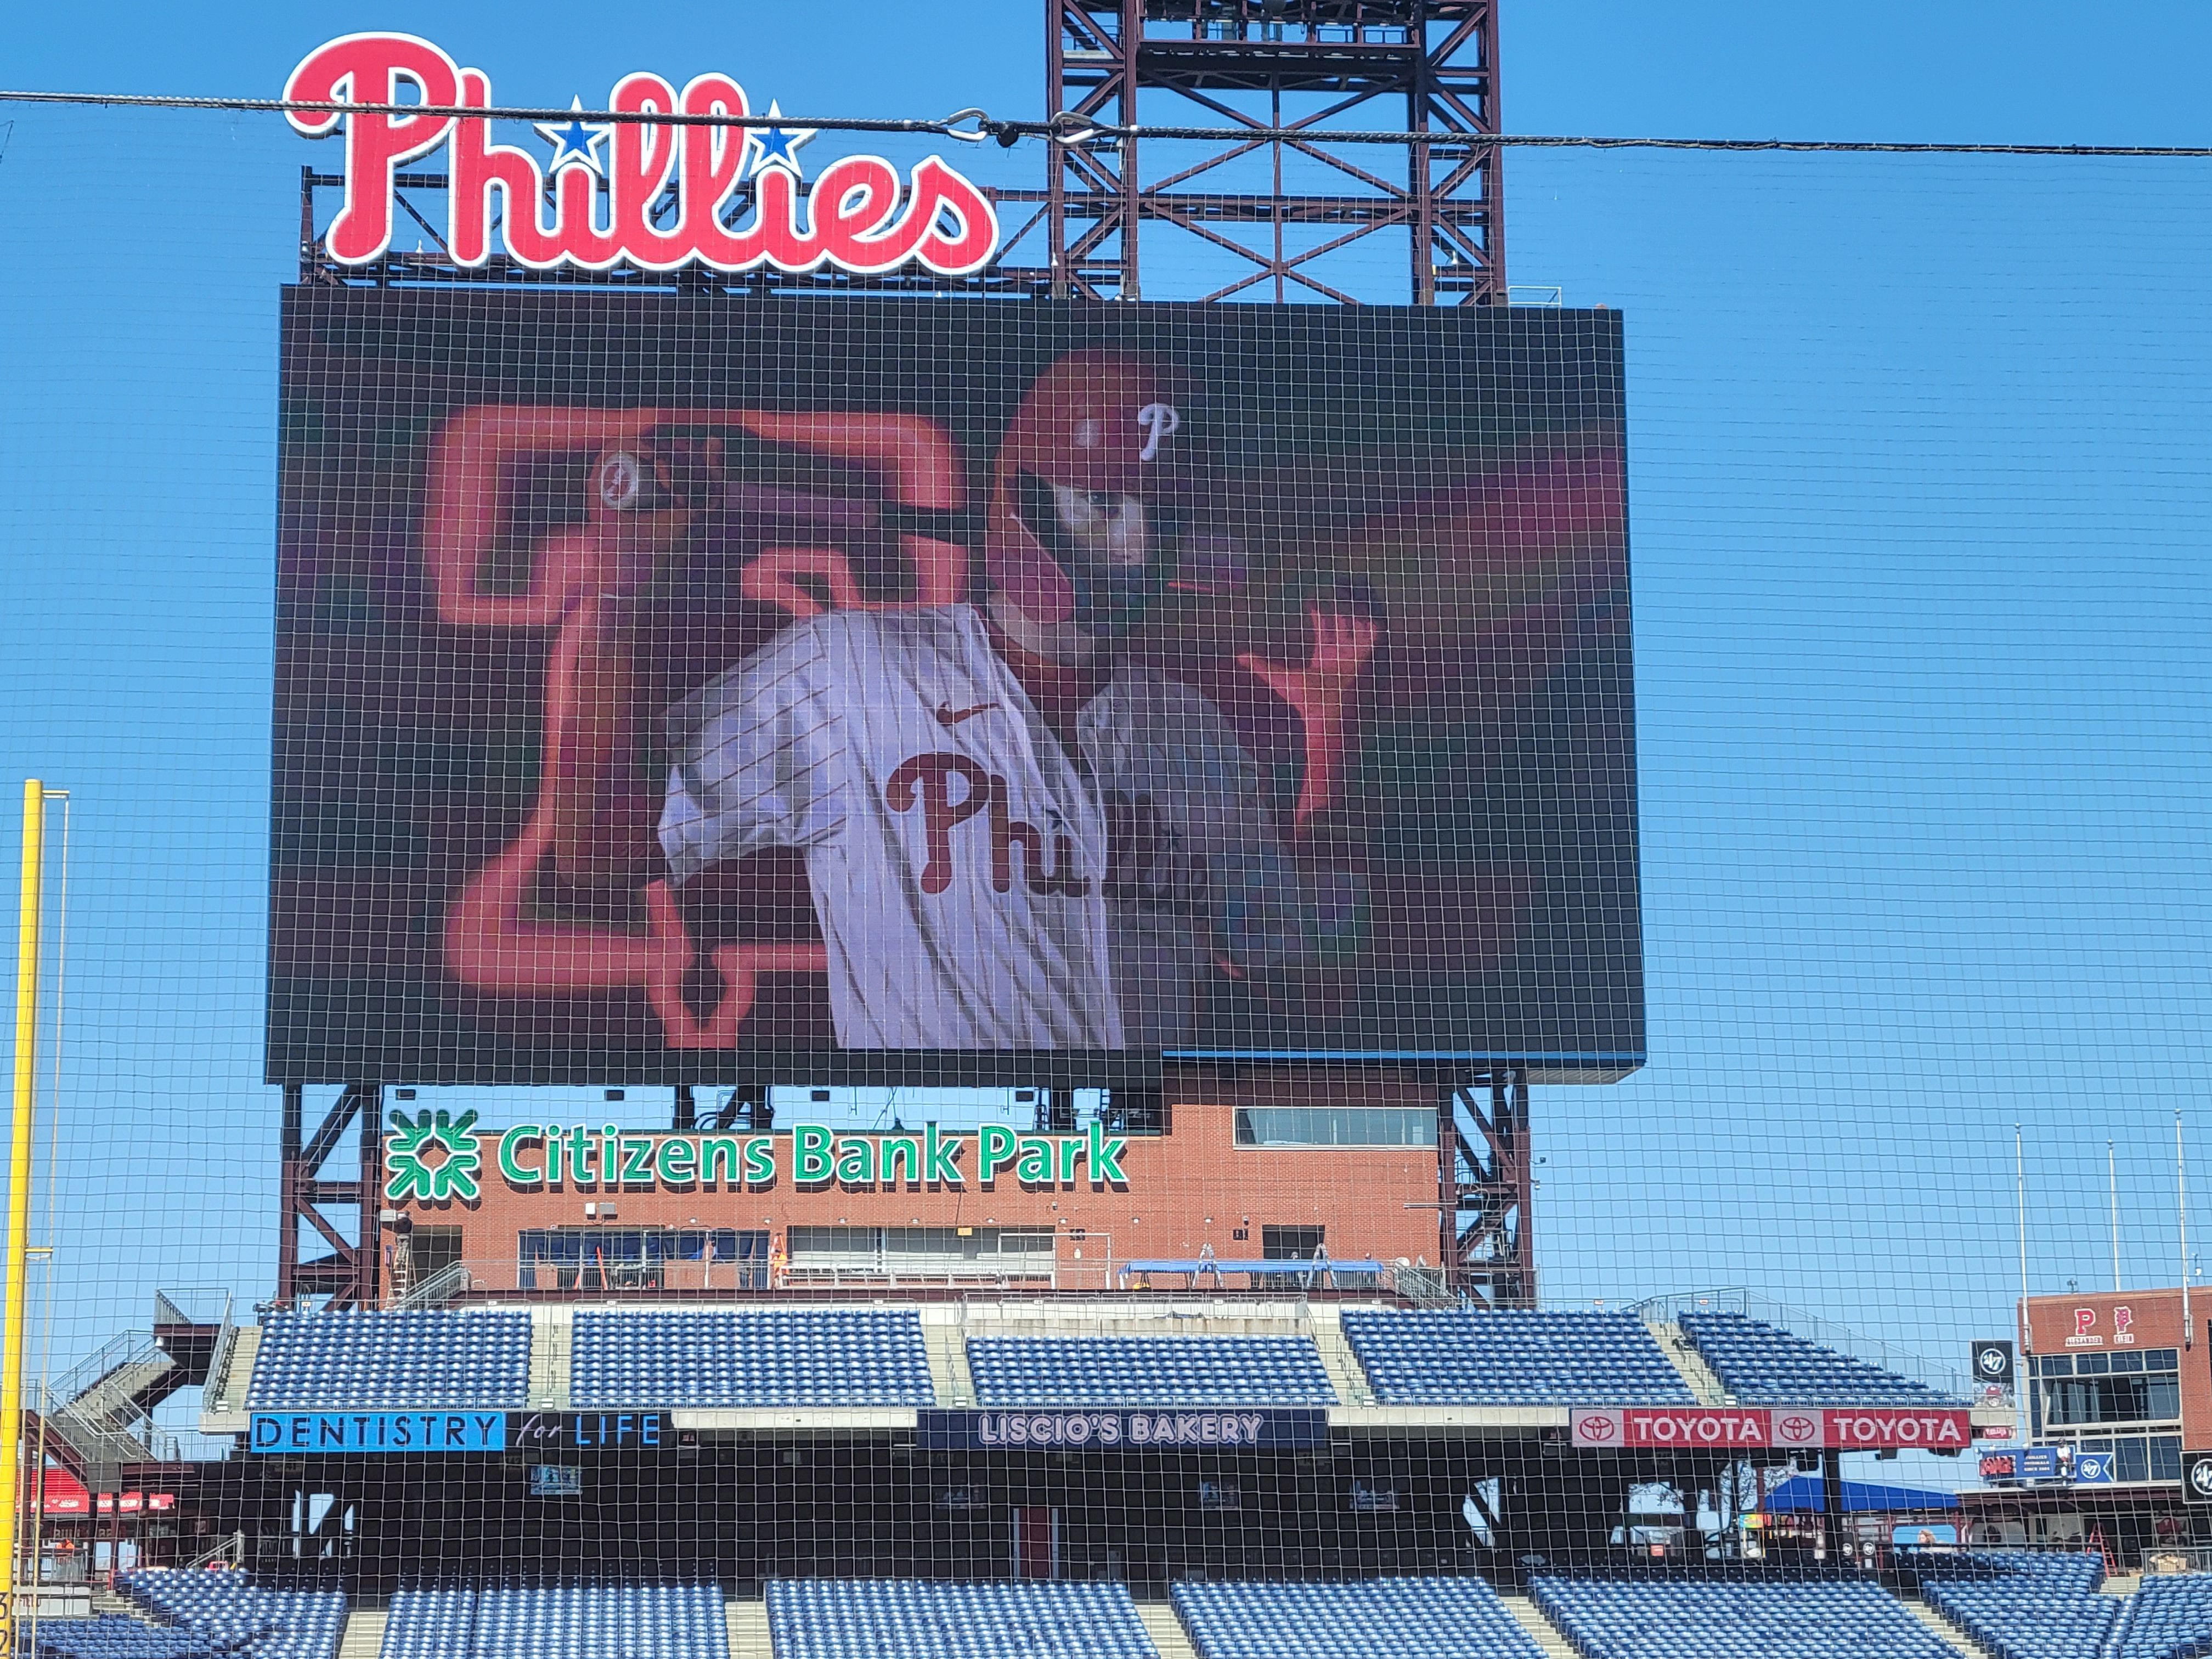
(1291, 1243)
(638, 1259)
(943, 1253)
(1335, 1125)
(2098, 1389)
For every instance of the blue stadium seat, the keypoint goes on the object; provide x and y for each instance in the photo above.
(1377, 1619)
(1762, 1364)
(114, 1636)
(652, 1359)
(577, 1618)
(1148, 1371)
(913, 1618)
(1507, 1358)
(368, 1361)
(1733, 1617)
(2169, 1618)
(430, 1621)
(2023, 1605)
(228, 1613)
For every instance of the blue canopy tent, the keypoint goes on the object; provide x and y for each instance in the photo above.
(1802, 1494)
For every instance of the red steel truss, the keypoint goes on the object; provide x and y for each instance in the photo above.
(1307, 65)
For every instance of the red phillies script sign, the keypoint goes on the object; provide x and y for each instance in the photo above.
(857, 215)
(1702, 1428)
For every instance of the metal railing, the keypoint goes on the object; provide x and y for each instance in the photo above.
(1902, 1362)
(232, 1549)
(131, 1347)
(441, 1287)
(480, 1278)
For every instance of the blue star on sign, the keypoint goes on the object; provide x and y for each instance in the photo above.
(576, 142)
(777, 146)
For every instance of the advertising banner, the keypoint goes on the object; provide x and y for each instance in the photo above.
(1691, 1428)
(299, 1433)
(1228, 1428)
(932, 693)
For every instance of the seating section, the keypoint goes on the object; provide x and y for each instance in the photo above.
(913, 1618)
(1706, 1617)
(430, 1621)
(2168, 1618)
(657, 1360)
(1149, 1370)
(113, 1637)
(579, 1619)
(1762, 1364)
(209, 1612)
(1381, 1618)
(2021, 1605)
(1506, 1358)
(366, 1361)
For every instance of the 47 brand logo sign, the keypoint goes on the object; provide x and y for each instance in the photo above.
(859, 216)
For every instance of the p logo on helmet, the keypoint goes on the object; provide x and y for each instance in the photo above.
(1159, 422)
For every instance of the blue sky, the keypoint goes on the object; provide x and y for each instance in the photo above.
(1920, 525)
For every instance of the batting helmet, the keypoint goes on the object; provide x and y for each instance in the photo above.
(1077, 529)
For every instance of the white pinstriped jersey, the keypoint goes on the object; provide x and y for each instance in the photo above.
(977, 887)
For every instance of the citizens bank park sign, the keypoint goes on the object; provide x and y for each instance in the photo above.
(435, 1158)
(655, 194)
(1636, 1428)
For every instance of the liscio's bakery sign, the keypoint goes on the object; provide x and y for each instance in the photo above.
(653, 195)
(435, 1158)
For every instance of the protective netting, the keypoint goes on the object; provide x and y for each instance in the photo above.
(794, 750)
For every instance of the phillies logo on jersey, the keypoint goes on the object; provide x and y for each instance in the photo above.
(859, 216)
(929, 781)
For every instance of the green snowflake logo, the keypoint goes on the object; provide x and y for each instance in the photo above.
(411, 1173)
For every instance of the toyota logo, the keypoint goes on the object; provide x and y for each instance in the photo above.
(1797, 1428)
(1600, 1428)
(2200, 1476)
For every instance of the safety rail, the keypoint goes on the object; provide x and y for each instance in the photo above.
(130, 1348)
(441, 1287)
(232, 1549)
(219, 1356)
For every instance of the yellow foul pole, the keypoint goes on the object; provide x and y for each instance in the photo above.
(19, 1195)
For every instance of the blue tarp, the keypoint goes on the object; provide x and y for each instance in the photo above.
(1802, 1494)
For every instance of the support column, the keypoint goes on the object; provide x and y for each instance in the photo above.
(1483, 1144)
(1831, 1507)
(349, 1274)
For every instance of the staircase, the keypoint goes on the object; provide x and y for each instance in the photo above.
(1531, 1618)
(1953, 1636)
(363, 1637)
(102, 1406)
(747, 1624)
(552, 1342)
(1692, 1364)
(943, 1337)
(1165, 1629)
(225, 1390)
(106, 1600)
(1337, 1358)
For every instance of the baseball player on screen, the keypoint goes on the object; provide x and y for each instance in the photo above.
(1015, 837)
